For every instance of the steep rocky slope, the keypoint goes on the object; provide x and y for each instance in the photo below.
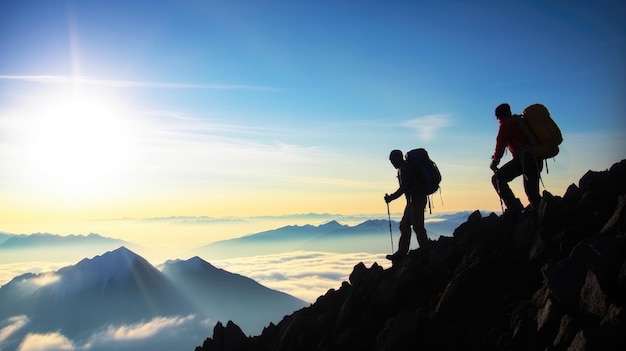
(550, 279)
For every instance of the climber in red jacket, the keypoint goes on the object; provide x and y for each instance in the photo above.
(511, 136)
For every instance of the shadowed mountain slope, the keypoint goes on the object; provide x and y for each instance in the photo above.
(550, 279)
(223, 295)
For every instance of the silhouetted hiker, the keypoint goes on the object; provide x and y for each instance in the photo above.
(511, 136)
(415, 205)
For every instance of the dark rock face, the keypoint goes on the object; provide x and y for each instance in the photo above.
(550, 279)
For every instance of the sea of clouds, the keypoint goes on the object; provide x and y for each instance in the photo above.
(303, 274)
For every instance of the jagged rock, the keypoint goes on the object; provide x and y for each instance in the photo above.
(550, 279)
(566, 332)
(465, 231)
(548, 317)
(579, 343)
(592, 297)
(399, 332)
(572, 194)
(617, 222)
(229, 338)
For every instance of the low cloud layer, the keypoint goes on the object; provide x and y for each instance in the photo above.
(303, 274)
(11, 270)
(184, 331)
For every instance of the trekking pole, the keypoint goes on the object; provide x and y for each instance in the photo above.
(539, 172)
(390, 233)
(498, 189)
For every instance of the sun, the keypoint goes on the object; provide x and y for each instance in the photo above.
(77, 141)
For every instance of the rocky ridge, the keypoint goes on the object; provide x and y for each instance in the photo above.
(549, 279)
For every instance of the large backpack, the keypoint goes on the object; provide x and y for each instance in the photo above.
(425, 169)
(542, 132)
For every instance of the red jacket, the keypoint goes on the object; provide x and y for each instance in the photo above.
(510, 135)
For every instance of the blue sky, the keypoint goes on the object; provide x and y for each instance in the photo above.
(144, 109)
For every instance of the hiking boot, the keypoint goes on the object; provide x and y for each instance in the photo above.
(426, 245)
(514, 207)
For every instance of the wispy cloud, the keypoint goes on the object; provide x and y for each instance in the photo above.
(94, 81)
(9, 271)
(141, 330)
(428, 126)
(46, 279)
(10, 326)
(50, 341)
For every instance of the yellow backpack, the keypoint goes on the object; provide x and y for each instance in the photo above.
(542, 132)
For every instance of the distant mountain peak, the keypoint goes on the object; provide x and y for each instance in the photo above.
(117, 265)
(194, 264)
(374, 222)
(47, 239)
(332, 225)
(121, 253)
(122, 250)
(197, 260)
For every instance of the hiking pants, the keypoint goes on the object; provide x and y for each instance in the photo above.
(413, 217)
(524, 164)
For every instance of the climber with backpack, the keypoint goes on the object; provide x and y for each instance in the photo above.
(529, 148)
(418, 177)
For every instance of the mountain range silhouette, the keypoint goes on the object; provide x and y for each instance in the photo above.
(56, 248)
(549, 279)
(373, 237)
(369, 236)
(120, 289)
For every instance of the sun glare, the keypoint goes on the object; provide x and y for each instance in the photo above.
(76, 141)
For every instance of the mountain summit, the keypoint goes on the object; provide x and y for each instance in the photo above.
(114, 267)
(550, 279)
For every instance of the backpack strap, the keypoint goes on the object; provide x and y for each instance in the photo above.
(539, 173)
(522, 155)
(430, 205)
